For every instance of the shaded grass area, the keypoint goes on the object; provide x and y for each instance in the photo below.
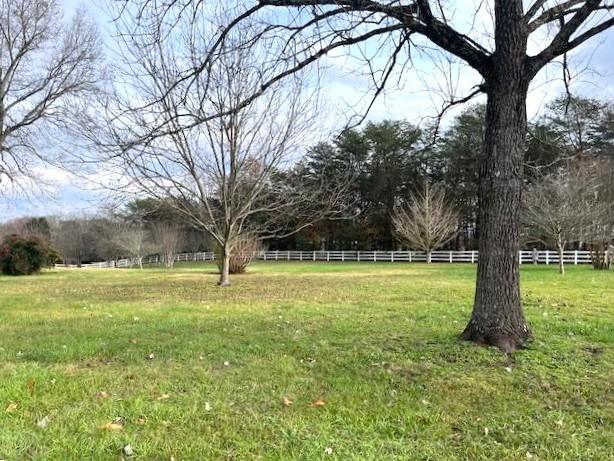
(376, 342)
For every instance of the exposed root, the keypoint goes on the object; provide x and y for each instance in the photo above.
(506, 342)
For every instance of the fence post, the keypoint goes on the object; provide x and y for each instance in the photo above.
(314, 255)
(328, 256)
(288, 258)
(342, 256)
(392, 256)
(472, 256)
(520, 257)
(264, 253)
(300, 255)
(450, 256)
(547, 256)
(409, 254)
(358, 256)
(375, 256)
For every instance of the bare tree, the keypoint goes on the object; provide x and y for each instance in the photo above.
(498, 53)
(226, 174)
(135, 240)
(428, 222)
(45, 64)
(600, 230)
(71, 238)
(167, 239)
(558, 208)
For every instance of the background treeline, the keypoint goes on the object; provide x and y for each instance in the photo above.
(387, 163)
(392, 159)
(143, 227)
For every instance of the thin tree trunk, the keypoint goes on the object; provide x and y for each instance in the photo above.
(561, 263)
(225, 269)
(497, 318)
(429, 256)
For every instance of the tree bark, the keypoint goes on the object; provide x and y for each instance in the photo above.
(225, 269)
(429, 256)
(498, 317)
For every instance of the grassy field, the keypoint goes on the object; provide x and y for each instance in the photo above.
(364, 355)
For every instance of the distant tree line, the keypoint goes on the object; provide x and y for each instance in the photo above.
(142, 227)
(390, 161)
(387, 171)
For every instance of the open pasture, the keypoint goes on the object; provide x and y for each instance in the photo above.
(354, 361)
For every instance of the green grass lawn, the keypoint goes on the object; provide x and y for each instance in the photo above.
(376, 343)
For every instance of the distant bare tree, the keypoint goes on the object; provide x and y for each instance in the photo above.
(558, 208)
(45, 64)
(70, 238)
(135, 240)
(225, 174)
(167, 239)
(600, 231)
(428, 222)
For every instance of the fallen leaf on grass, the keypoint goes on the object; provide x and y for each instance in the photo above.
(11, 408)
(141, 420)
(103, 395)
(318, 403)
(164, 397)
(150, 356)
(112, 426)
(116, 425)
(287, 402)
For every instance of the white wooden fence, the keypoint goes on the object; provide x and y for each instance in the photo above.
(525, 257)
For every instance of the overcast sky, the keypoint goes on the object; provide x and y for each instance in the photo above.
(346, 92)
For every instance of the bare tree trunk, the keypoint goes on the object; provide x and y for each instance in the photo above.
(225, 269)
(429, 256)
(497, 317)
(561, 249)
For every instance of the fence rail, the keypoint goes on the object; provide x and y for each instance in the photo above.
(524, 257)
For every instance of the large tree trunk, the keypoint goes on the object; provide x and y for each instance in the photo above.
(225, 269)
(497, 317)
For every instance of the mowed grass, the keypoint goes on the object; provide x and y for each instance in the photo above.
(376, 343)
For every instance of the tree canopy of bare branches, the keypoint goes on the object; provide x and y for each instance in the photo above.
(559, 208)
(428, 222)
(134, 239)
(229, 174)
(167, 239)
(46, 63)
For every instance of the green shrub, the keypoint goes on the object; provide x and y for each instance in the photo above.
(24, 255)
